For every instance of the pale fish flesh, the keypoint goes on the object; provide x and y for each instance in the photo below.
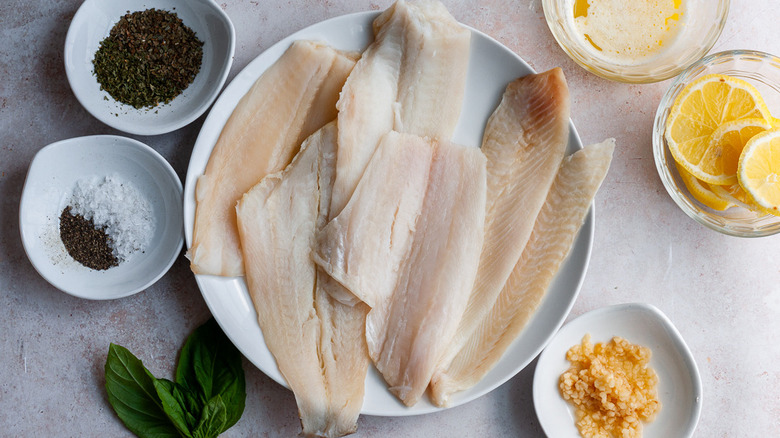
(408, 244)
(293, 98)
(363, 247)
(317, 342)
(411, 79)
(553, 235)
(525, 140)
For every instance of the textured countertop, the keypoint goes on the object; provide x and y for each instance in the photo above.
(722, 293)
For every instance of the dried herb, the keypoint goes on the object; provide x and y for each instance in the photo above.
(86, 243)
(149, 57)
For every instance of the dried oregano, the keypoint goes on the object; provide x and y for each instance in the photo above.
(86, 243)
(149, 57)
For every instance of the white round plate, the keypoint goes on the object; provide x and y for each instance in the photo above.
(491, 67)
(93, 22)
(679, 383)
(47, 191)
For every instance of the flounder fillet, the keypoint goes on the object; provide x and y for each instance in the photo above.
(408, 244)
(553, 234)
(318, 343)
(525, 140)
(364, 246)
(296, 96)
(411, 79)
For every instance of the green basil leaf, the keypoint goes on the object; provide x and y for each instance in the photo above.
(184, 370)
(213, 420)
(234, 396)
(209, 365)
(131, 393)
(174, 405)
(193, 405)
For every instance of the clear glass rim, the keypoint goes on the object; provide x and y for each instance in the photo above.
(663, 165)
(631, 74)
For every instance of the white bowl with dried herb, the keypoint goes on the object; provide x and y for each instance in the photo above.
(148, 67)
(101, 216)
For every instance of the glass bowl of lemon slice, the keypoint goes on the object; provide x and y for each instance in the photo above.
(716, 142)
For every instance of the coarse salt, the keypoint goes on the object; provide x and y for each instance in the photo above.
(119, 208)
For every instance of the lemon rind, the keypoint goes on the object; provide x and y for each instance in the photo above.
(747, 153)
(702, 193)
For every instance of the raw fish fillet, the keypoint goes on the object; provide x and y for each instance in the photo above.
(344, 357)
(317, 342)
(342, 349)
(525, 140)
(292, 99)
(364, 246)
(411, 79)
(553, 235)
(408, 245)
(407, 337)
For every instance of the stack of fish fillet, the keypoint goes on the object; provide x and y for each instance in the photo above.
(366, 236)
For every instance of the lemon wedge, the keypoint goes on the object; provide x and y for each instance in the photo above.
(701, 108)
(759, 170)
(702, 191)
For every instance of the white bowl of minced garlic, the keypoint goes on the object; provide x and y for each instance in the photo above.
(622, 370)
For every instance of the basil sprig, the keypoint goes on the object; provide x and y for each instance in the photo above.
(206, 398)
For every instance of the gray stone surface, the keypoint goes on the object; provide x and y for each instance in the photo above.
(721, 292)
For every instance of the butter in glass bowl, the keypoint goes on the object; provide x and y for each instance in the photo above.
(636, 42)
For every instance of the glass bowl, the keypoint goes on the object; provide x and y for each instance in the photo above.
(700, 27)
(763, 71)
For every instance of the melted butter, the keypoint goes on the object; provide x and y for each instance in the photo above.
(675, 17)
(628, 32)
(581, 8)
(587, 38)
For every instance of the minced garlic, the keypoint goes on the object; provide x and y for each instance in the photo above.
(612, 388)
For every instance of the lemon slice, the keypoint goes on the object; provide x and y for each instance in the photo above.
(702, 107)
(702, 192)
(775, 122)
(734, 195)
(727, 142)
(759, 170)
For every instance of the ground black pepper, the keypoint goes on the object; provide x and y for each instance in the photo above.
(86, 243)
(149, 57)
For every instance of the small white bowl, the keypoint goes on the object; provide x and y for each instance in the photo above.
(679, 382)
(93, 22)
(53, 174)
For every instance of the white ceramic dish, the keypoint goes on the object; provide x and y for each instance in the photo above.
(492, 66)
(47, 191)
(679, 383)
(93, 22)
